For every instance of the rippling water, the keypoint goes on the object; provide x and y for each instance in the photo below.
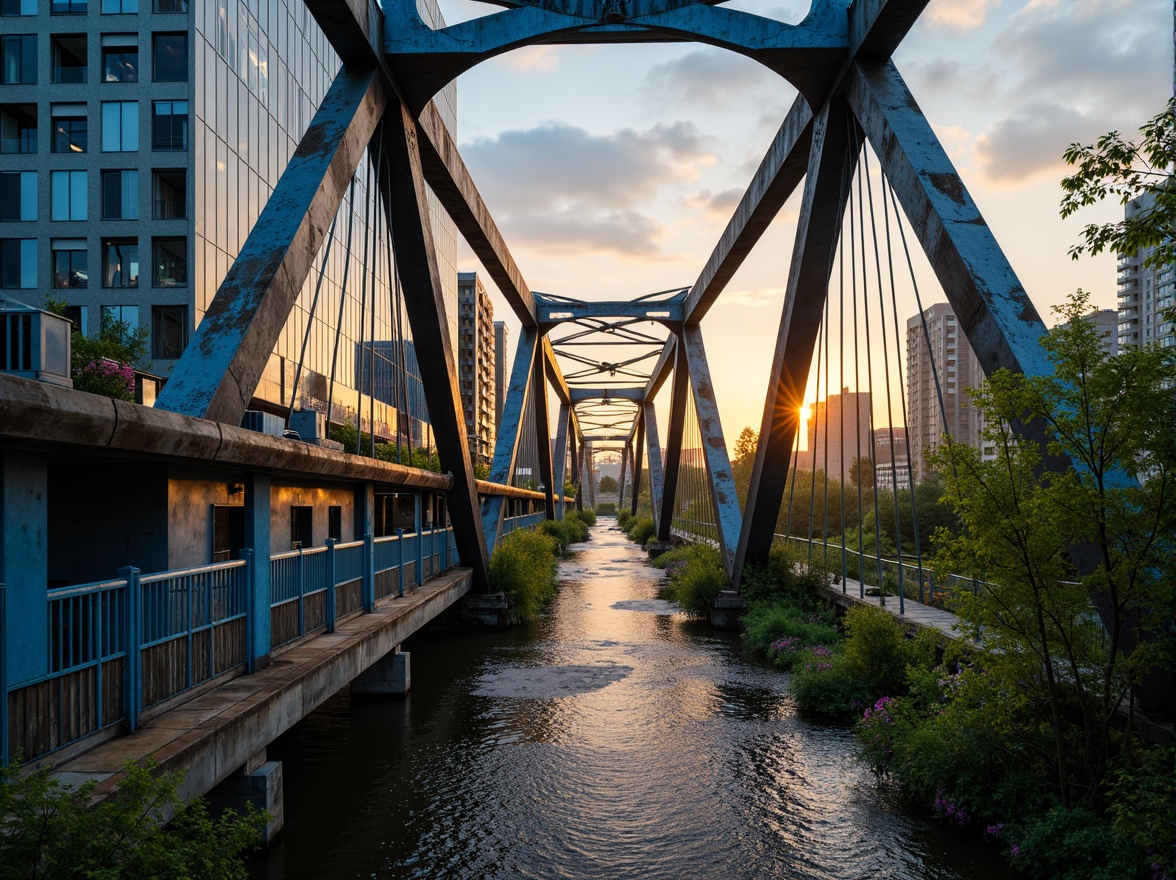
(611, 739)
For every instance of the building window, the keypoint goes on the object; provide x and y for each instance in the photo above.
(120, 60)
(169, 331)
(18, 128)
(68, 7)
(69, 58)
(78, 316)
(70, 128)
(171, 57)
(120, 126)
(335, 522)
(123, 320)
(170, 262)
(18, 59)
(169, 125)
(18, 196)
(301, 527)
(170, 193)
(228, 531)
(120, 195)
(69, 264)
(116, 7)
(68, 191)
(18, 263)
(120, 262)
(171, 5)
(18, 7)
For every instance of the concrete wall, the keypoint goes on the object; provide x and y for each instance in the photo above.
(191, 497)
(103, 516)
(289, 494)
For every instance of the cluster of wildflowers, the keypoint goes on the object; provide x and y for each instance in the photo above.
(788, 643)
(993, 832)
(875, 731)
(104, 376)
(948, 809)
(822, 658)
(674, 567)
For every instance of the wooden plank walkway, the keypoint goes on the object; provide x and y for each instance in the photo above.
(214, 734)
(915, 614)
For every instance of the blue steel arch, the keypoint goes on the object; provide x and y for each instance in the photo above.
(807, 54)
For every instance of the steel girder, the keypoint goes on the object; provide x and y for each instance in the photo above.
(638, 449)
(825, 195)
(678, 393)
(559, 465)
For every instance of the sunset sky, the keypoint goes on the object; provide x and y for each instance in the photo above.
(612, 170)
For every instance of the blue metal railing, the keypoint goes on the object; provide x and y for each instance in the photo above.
(526, 520)
(122, 645)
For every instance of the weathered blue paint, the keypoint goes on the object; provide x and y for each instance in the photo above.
(992, 306)
(656, 482)
(825, 194)
(621, 482)
(222, 365)
(507, 442)
(543, 432)
(714, 447)
(582, 395)
(24, 548)
(258, 539)
(678, 398)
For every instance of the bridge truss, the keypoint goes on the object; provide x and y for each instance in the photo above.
(604, 365)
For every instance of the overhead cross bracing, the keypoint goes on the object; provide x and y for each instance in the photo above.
(850, 96)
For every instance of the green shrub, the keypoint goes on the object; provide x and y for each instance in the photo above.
(875, 647)
(563, 531)
(786, 576)
(1075, 844)
(766, 624)
(623, 517)
(587, 516)
(51, 831)
(606, 508)
(641, 529)
(696, 578)
(523, 566)
(836, 691)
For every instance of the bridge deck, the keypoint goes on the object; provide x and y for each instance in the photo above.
(213, 735)
(914, 613)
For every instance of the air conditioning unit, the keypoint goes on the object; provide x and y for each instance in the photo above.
(311, 426)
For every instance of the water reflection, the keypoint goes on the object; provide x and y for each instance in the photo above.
(668, 756)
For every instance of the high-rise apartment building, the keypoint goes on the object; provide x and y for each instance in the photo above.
(139, 142)
(475, 364)
(838, 432)
(1145, 293)
(936, 349)
(501, 369)
(892, 466)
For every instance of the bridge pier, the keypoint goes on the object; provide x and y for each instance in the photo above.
(390, 676)
(258, 782)
(725, 610)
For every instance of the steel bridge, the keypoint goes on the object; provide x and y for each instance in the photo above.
(381, 105)
(600, 360)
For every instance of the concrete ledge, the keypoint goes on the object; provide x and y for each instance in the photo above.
(213, 735)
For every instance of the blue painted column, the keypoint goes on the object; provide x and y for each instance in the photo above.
(24, 564)
(257, 537)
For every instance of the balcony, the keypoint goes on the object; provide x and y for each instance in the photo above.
(34, 344)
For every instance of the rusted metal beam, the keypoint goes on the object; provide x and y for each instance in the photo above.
(825, 194)
(222, 365)
(407, 211)
(988, 299)
(714, 447)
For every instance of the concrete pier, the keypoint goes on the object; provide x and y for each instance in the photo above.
(389, 676)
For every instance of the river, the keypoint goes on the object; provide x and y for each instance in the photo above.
(612, 738)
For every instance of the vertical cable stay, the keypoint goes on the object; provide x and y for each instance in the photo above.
(318, 286)
(342, 299)
(370, 356)
(363, 290)
(813, 452)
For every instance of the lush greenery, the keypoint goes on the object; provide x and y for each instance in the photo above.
(608, 485)
(640, 529)
(361, 444)
(586, 516)
(606, 508)
(695, 577)
(523, 567)
(567, 531)
(48, 830)
(623, 517)
(105, 364)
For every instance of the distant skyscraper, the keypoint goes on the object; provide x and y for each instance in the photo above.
(1106, 325)
(475, 364)
(891, 465)
(501, 368)
(951, 358)
(1145, 294)
(838, 432)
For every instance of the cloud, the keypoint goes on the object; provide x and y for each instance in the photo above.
(764, 296)
(563, 187)
(961, 15)
(1079, 70)
(720, 203)
(711, 77)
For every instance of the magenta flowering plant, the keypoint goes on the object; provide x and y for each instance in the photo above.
(106, 377)
(875, 730)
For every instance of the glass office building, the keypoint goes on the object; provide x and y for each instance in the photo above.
(140, 140)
